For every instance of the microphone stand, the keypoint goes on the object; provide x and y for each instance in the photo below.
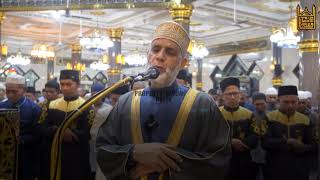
(55, 165)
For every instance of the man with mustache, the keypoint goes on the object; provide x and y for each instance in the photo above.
(289, 140)
(165, 131)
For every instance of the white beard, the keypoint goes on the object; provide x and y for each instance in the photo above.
(166, 78)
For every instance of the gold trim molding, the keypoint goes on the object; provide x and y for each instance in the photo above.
(277, 81)
(181, 12)
(309, 45)
(75, 48)
(113, 71)
(245, 46)
(2, 16)
(199, 84)
(115, 32)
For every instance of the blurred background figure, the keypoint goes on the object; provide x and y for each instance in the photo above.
(2, 92)
(102, 111)
(115, 95)
(138, 85)
(272, 99)
(245, 101)
(31, 94)
(82, 92)
(184, 78)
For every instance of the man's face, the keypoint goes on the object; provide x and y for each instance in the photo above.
(288, 104)
(260, 105)
(182, 82)
(69, 87)
(51, 93)
(14, 92)
(2, 94)
(30, 96)
(166, 56)
(243, 98)
(98, 102)
(302, 105)
(114, 98)
(272, 99)
(231, 96)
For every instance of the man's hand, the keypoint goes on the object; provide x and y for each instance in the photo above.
(156, 157)
(238, 145)
(141, 170)
(296, 145)
(69, 136)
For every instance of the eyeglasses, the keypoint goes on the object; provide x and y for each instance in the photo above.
(232, 94)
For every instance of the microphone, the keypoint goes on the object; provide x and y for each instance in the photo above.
(151, 73)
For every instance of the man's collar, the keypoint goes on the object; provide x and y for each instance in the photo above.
(71, 98)
(229, 109)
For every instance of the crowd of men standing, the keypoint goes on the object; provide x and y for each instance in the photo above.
(278, 140)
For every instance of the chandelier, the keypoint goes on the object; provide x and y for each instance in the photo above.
(286, 37)
(96, 42)
(136, 59)
(18, 59)
(197, 49)
(99, 66)
(42, 51)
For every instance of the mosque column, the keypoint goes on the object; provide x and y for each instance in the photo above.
(199, 83)
(50, 69)
(277, 65)
(309, 57)
(114, 54)
(2, 17)
(75, 55)
(181, 14)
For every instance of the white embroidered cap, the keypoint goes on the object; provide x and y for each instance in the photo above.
(15, 79)
(271, 91)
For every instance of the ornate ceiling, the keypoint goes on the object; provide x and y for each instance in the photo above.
(212, 22)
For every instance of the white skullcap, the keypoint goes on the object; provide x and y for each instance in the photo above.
(302, 95)
(2, 87)
(15, 79)
(308, 94)
(271, 91)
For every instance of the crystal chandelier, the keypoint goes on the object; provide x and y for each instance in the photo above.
(197, 49)
(285, 38)
(96, 42)
(42, 51)
(18, 59)
(136, 59)
(99, 66)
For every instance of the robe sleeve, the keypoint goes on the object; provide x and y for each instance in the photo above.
(209, 158)
(273, 141)
(111, 156)
(252, 138)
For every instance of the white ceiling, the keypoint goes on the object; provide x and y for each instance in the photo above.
(214, 19)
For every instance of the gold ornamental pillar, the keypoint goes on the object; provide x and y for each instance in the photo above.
(277, 63)
(309, 57)
(75, 54)
(181, 14)
(3, 47)
(114, 54)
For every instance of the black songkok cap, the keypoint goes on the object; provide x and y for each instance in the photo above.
(287, 90)
(259, 96)
(121, 90)
(70, 74)
(228, 82)
(31, 90)
(53, 84)
(183, 74)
